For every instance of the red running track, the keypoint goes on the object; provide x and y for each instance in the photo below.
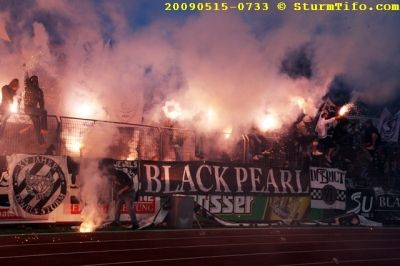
(272, 246)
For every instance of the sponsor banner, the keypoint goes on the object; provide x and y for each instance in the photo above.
(222, 204)
(361, 202)
(234, 208)
(328, 189)
(196, 177)
(144, 205)
(287, 208)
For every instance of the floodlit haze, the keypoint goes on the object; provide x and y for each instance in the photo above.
(125, 60)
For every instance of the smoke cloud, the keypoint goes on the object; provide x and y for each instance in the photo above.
(107, 60)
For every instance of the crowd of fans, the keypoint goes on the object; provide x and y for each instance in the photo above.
(351, 144)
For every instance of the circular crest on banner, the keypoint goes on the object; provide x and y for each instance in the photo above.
(329, 194)
(39, 185)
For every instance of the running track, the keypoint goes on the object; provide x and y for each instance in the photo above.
(272, 246)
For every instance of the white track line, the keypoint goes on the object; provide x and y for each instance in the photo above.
(342, 261)
(177, 247)
(317, 228)
(236, 255)
(232, 229)
(24, 244)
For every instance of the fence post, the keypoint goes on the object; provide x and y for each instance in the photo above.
(59, 132)
(161, 144)
(245, 148)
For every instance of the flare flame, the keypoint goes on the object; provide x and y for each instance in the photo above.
(269, 122)
(345, 109)
(14, 106)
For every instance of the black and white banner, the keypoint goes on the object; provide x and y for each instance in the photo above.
(328, 189)
(199, 178)
(130, 168)
(361, 201)
(387, 206)
(38, 184)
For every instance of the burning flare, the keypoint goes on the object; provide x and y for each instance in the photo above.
(74, 145)
(345, 109)
(228, 132)
(87, 227)
(14, 106)
(92, 218)
(172, 110)
(84, 110)
(269, 122)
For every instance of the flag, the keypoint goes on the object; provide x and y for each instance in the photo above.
(327, 188)
(328, 106)
(38, 184)
(389, 126)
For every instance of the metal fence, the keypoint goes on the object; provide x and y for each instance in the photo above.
(98, 139)
(177, 144)
(93, 138)
(20, 137)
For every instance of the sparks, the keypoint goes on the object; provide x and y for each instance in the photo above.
(345, 109)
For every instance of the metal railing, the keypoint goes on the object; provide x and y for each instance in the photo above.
(94, 138)
(20, 136)
(77, 137)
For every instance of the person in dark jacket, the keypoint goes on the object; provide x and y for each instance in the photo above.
(124, 191)
(372, 138)
(125, 194)
(8, 93)
(34, 107)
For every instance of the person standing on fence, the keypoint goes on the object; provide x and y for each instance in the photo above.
(323, 125)
(123, 191)
(8, 93)
(34, 107)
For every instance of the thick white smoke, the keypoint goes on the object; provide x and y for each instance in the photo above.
(93, 63)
